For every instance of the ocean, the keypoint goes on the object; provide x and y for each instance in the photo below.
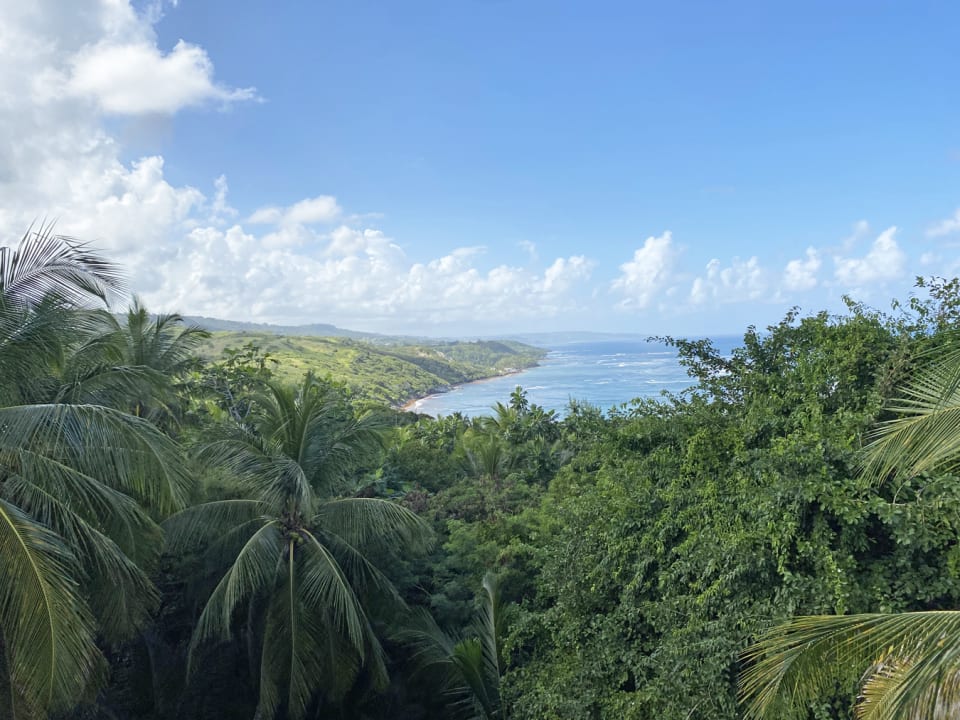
(602, 374)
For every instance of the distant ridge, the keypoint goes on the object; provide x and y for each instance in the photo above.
(537, 339)
(313, 329)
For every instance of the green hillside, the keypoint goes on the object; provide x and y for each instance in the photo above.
(392, 374)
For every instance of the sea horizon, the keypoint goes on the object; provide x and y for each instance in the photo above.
(603, 374)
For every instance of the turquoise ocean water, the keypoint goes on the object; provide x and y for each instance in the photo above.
(604, 374)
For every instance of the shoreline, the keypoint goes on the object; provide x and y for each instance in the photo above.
(411, 404)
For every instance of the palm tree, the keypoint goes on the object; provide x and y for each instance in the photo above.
(297, 545)
(907, 664)
(488, 457)
(133, 364)
(468, 668)
(73, 534)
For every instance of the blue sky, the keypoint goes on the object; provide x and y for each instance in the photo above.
(486, 166)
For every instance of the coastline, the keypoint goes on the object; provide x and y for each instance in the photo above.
(412, 404)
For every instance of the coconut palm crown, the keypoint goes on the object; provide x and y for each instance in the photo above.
(296, 545)
(79, 483)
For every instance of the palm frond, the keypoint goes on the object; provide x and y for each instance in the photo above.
(433, 654)
(295, 672)
(470, 660)
(363, 574)
(312, 425)
(468, 669)
(45, 263)
(315, 629)
(926, 436)
(325, 586)
(298, 444)
(121, 594)
(123, 451)
(162, 342)
(196, 524)
(491, 631)
(924, 688)
(337, 448)
(260, 468)
(115, 514)
(253, 572)
(45, 624)
(122, 387)
(363, 521)
(913, 655)
(32, 344)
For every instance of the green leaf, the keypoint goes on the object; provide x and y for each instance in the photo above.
(909, 662)
(45, 624)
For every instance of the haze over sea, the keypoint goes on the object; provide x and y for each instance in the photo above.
(601, 373)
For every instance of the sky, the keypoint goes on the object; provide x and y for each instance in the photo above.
(475, 167)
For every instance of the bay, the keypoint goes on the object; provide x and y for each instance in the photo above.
(604, 374)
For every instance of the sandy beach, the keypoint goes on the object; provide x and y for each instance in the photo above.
(414, 403)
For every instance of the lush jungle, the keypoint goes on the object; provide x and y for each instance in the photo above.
(222, 538)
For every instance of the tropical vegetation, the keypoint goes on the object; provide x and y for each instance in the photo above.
(391, 371)
(197, 533)
(907, 664)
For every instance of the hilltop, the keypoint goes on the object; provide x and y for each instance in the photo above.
(390, 370)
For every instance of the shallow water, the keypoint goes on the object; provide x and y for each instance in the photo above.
(603, 374)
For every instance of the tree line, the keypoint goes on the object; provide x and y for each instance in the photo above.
(190, 539)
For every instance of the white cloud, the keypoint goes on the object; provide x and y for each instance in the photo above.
(738, 282)
(320, 209)
(182, 246)
(56, 160)
(219, 208)
(802, 274)
(884, 261)
(137, 78)
(360, 278)
(68, 65)
(565, 272)
(647, 273)
(945, 227)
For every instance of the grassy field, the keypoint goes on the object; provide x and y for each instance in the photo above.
(393, 373)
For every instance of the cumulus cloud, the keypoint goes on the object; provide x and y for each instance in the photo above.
(884, 261)
(801, 274)
(137, 78)
(738, 282)
(564, 273)
(56, 159)
(649, 272)
(362, 277)
(69, 65)
(945, 227)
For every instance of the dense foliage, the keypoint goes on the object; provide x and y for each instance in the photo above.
(205, 539)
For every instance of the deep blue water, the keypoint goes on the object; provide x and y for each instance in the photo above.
(603, 374)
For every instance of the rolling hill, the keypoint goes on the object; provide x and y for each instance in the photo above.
(393, 372)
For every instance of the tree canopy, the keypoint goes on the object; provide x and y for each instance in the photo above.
(203, 537)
